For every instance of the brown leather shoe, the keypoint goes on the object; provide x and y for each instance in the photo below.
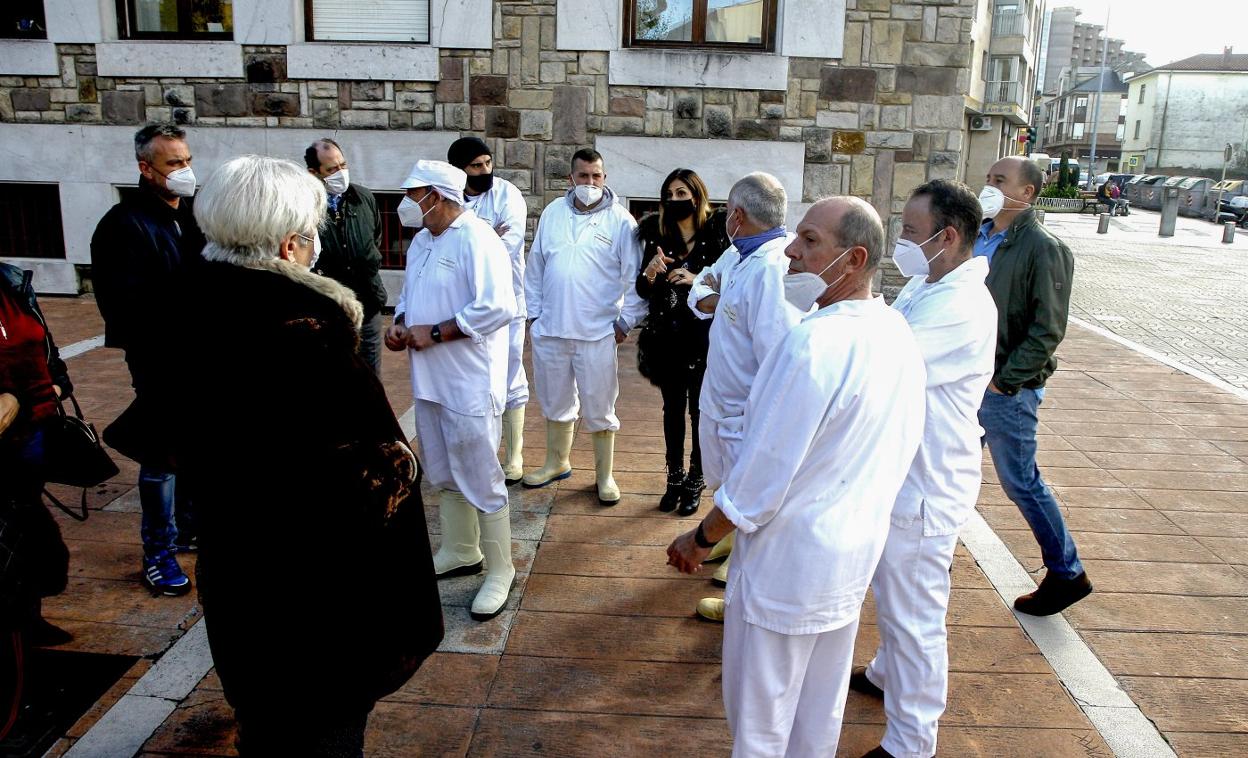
(1054, 595)
(858, 682)
(878, 752)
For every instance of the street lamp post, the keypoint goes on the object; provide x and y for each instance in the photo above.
(1226, 159)
(1096, 108)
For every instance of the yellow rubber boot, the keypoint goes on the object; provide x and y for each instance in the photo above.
(722, 548)
(558, 447)
(459, 554)
(711, 609)
(500, 573)
(513, 444)
(604, 460)
(720, 576)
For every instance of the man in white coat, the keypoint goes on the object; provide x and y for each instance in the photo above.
(499, 203)
(452, 318)
(744, 289)
(831, 426)
(581, 303)
(954, 321)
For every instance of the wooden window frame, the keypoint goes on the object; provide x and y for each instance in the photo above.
(698, 22)
(126, 30)
(309, 32)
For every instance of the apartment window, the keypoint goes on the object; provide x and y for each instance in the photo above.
(395, 238)
(1137, 130)
(1142, 87)
(1120, 132)
(730, 24)
(1122, 109)
(30, 221)
(23, 19)
(175, 19)
(374, 21)
(1076, 130)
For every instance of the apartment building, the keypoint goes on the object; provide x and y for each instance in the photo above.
(861, 97)
(1090, 101)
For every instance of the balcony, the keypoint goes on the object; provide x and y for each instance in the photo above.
(1002, 92)
(1009, 24)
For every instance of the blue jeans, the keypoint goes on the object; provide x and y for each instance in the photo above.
(166, 511)
(1009, 423)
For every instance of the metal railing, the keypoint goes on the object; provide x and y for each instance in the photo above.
(1002, 92)
(1009, 24)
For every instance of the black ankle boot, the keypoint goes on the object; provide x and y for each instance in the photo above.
(690, 492)
(675, 485)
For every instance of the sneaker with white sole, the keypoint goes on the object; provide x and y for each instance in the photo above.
(163, 575)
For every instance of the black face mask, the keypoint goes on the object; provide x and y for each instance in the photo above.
(480, 182)
(677, 210)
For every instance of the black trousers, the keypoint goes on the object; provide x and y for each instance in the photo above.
(277, 735)
(681, 391)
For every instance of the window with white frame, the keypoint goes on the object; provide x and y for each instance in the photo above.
(1076, 130)
(371, 21)
(175, 19)
(1120, 132)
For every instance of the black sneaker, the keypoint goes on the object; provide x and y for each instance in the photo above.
(675, 483)
(858, 682)
(186, 545)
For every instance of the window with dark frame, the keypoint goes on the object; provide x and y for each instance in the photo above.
(175, 19)
(395, 238)
(375, 21)
(23, 19)
(716, 24)
(30, 221)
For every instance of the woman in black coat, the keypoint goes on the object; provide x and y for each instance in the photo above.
(680, 240)
(34, 561)
(314, 572)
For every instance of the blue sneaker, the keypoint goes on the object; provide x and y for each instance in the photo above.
(163, 575)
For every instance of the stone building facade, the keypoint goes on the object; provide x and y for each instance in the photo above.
(860, 97)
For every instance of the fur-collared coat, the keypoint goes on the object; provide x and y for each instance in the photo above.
(315, 572)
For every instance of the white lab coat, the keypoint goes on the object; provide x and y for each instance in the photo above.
(462, 273)
(751, 318)
(503, 204)
(954, 321)
(831, 426)
(581, 271)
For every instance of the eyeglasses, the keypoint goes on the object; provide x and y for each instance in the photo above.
(311, 240)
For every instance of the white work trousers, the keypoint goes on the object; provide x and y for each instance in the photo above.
(460, 453)
(721, 445)
(784, 694)
(911, 588)
(574, 376)
(517, 380)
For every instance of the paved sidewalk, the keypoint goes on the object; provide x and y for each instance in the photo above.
(600, 653)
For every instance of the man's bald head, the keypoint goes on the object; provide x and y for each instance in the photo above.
(1018, 173)
(852, 222)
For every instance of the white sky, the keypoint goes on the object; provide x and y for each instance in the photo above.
(1169, 30)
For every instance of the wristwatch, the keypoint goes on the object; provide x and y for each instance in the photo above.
(435, 333)
(699, 538)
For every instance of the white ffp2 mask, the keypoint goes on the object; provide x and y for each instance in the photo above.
(910, 258)
(411, 214)
(588, 194)
(337, 182)
(181, 182)
(804, 288)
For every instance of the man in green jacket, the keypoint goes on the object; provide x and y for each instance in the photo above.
(350, 241)
(1030, 274)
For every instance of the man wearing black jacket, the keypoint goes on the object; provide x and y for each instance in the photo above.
(138, 249)
(350, 241)
(1029, 276)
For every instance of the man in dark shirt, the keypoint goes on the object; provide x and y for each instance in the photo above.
(350, 241)
(138, 249)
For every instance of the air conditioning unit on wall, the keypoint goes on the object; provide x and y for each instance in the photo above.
(981, 123)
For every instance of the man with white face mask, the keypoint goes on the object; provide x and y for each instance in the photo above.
(351, 237)
(452, 318)
(581, 302)
(954, 322)
(139, 248)
(745, 291)
(1030, 276)
(831, 427)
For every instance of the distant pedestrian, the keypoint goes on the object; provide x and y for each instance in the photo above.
(684, 237)
(1030, 275)
(292, 448)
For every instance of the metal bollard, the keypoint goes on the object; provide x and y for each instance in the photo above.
(1040, 216)
(1103, 226)
(1228, 232)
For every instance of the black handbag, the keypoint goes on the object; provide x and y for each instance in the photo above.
(73, 455)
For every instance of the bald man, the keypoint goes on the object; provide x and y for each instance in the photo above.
(832, 423)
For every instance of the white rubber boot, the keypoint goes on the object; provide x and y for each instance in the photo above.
(513, 444)
(604, 459)
(558, 447)
(500, 574)
(458, 555)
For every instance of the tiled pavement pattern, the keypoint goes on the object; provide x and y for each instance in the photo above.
(602, 657)
(1185, 297)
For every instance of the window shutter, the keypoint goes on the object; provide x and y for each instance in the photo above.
(371, 20)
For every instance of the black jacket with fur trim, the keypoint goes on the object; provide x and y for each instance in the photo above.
(315, 571)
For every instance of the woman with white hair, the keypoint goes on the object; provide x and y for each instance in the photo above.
(288, 441)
